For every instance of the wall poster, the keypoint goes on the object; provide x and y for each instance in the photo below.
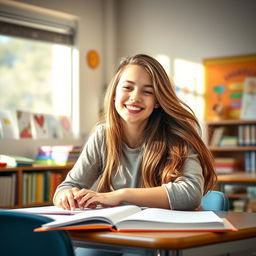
(224, 83)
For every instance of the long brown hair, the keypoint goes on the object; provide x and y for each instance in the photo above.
(170, 137)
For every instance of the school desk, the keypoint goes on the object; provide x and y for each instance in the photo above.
(176, 243)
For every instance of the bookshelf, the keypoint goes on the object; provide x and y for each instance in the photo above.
(233, 145)
(30, 186)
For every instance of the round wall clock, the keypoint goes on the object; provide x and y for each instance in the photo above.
(93, 59)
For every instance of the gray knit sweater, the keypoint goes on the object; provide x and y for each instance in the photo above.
(184, 193)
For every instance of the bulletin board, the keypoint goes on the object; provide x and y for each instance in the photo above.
(224, 84)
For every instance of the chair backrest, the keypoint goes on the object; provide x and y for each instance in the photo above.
(215, 201)
(18, 238)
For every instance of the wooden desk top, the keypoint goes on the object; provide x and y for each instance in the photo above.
(244, 222)
(240, 177)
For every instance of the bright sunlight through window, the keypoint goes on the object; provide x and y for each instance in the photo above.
(35, 76)
(189, 85)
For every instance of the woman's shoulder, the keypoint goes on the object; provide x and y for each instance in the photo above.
(96, 136)
(100, 128)
(98, 132)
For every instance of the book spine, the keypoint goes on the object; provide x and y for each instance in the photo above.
(216, 136)
(14, 185)
(253, 161)
(247, 135)
(24, 188)
(47, 186)
(253, 135)
(240, 135)
(40, 187)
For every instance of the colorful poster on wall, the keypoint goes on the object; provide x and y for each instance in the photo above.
(54, 127)
(9, 125)
(224, 83)
(248, 110)
(24, 124)
(66, 125)
(41, 128)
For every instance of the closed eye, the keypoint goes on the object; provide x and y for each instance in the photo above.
(126, 87)
(148, 92)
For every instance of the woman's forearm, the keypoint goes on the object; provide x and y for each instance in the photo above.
(148, 197)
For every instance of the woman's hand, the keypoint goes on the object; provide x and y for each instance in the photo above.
(150, 197)
(65, 199)
(88, 198)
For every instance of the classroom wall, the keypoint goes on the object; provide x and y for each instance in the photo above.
(186, 29)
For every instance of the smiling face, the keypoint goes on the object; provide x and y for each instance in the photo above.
(134, 96)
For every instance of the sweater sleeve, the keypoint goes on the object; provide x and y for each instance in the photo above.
(87, 169)
(186, 192)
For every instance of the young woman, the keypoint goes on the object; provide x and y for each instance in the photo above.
(147, 151)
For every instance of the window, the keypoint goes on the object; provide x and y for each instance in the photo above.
(189, 82)
(35, 76)
(35, 64)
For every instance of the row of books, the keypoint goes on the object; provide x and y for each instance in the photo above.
(246, 136)
(47, 155)
(58, 155)
(14, 161)
(250, 161)
(7, 189)
(227, 164)
(39, 187)
(217, 136)
(23, 124)
(228, 141)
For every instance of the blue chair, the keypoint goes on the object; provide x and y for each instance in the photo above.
(215, 201)
(17, 236)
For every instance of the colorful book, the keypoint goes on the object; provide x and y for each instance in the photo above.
(47, 186)
(7, 190)
(58, 155)
(228, 141)
(24, 188)
(29, 189)
(216, 136)
(13, 189)
(39, 187)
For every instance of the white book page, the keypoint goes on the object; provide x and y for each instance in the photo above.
(60, 217)
(161, 219)
(173, 216)
(49, 210)
(109, 216)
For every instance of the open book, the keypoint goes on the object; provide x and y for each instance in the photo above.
(133, 218)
